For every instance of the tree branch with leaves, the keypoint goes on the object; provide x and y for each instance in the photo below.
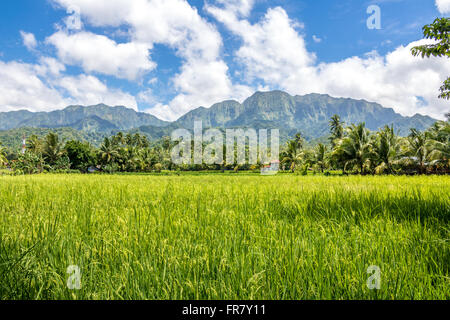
(439, 31)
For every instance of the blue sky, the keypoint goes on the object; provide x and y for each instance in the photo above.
(168, 57)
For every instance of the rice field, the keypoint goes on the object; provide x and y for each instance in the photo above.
(224, 237)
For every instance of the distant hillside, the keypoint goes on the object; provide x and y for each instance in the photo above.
(13, 138)
(307, 114)
(99, 118)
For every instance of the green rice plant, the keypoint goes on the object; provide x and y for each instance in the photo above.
(224, 236)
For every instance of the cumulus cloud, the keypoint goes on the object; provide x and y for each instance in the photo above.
(443, 6)
(272, 48)
(396, 80)
(88, 90)
(202, 85)
(203, 77)
(29, 40)
(272, 55)
(241, 8)
(274, 51)
(42, 87)
(21, 88)
(98, 53)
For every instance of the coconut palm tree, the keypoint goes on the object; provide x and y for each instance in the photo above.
(439, 143)
(3, 160)
(294, 152)
(355, 148)
(440, 140)
(108, 152)
(336, 129)
(386, 149)
(419, 148)
(118, 139)
(35, 145)
(52, 149)
(320, 157)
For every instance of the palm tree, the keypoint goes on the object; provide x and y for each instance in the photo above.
(108, 151)
(439, 142)
(293, 152)
(320, 156)
(118, 139)
(355, 148)
(418, 147)
(386, 149)
(336, 129)
(3, 160)
(34, 145)
(53, 149)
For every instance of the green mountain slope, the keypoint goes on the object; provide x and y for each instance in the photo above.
(308, 114)
(12, 139)
(99, 118)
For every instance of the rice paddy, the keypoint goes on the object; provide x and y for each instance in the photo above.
(224, 237)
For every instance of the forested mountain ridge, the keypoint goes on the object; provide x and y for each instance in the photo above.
(98, 118)
(308, 114)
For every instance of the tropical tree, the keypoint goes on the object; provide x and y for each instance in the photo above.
(108, 152)
(3, 160)
(354, 150)
(418, 148)
(293, 152)
(52, 149)
(439, 142)
(439, 31)
(28, 163)
(320, 157)
(34, 144)
(386, 149)
(81, 155)
(336, 129)
(118, 139)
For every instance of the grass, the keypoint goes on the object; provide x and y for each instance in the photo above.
(224, 237)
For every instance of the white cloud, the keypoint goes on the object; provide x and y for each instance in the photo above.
(147, 97)
(443, 6)
(240, 8)
(98, 53)
(203, 77)
(273, 55)
(88, 90)
(21, 88)
(202, 84)
(42, 87)
(394, 80)
(29, 40)
(316, 39)
(49, 67)
(273, 51)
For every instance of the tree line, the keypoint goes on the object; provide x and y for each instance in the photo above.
(351, 149)
(355, 149)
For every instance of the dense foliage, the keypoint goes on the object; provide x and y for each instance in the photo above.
(351, 149)
(263, 110)
(216, 236)
(439, 31)
(356, 149)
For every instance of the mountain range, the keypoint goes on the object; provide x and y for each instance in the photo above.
(308, 114)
